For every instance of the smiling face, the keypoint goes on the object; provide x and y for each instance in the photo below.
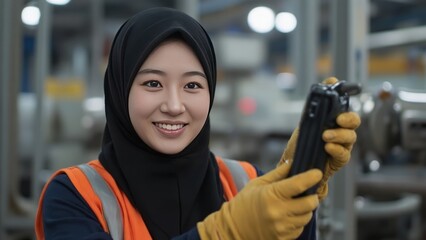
(169, 98)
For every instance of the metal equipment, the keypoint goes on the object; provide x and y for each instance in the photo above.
(392, 146)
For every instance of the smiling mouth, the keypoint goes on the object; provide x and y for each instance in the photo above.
(169, 127)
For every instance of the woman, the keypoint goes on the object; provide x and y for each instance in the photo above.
(155, 160)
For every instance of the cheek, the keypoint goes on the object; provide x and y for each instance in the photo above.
(201, 107)
(139, 106)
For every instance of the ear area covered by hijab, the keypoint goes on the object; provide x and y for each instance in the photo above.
(172, 192)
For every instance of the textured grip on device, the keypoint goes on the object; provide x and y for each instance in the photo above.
(323, 105)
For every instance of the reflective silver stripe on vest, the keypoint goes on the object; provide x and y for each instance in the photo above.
(112, 211)
(239, 175)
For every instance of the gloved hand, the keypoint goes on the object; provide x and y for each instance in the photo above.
(339, 143)
(265, 208)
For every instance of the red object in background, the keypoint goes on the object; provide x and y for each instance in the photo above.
(247, 106)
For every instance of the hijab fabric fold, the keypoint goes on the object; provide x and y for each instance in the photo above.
(172, 192)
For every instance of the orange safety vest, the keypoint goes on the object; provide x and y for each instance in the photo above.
(233, 175)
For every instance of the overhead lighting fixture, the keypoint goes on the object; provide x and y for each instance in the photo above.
(58, 2)
(285, 22)
(30, 15)
(261, 19)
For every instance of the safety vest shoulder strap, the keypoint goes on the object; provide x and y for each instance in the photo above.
(234, 175)
(241, 173)
(112, 210)
(81, 183)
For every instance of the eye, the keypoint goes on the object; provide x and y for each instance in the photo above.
(152, 84)
(193, 85)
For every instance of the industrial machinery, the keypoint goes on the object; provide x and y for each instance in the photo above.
(392, 149)
(394, 128)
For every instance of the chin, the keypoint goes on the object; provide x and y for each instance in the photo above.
(169, 151)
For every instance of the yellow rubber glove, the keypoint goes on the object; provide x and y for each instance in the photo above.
(265, 208)
(339, 143)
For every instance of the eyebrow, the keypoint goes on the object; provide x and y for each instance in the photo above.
(162, 73)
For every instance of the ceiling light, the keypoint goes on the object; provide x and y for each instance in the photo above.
(58, 2)
(30, 15)
(285, 22)
(261, 19)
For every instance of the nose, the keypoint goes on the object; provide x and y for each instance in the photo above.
(173, 103)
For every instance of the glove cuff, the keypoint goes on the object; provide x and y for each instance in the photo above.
(207, 229)
(218, 225)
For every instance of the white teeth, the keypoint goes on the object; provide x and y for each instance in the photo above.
(170, 127)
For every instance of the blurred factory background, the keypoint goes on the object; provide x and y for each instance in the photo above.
(53, 56)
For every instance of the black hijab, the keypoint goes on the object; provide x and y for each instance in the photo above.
(172, 192)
